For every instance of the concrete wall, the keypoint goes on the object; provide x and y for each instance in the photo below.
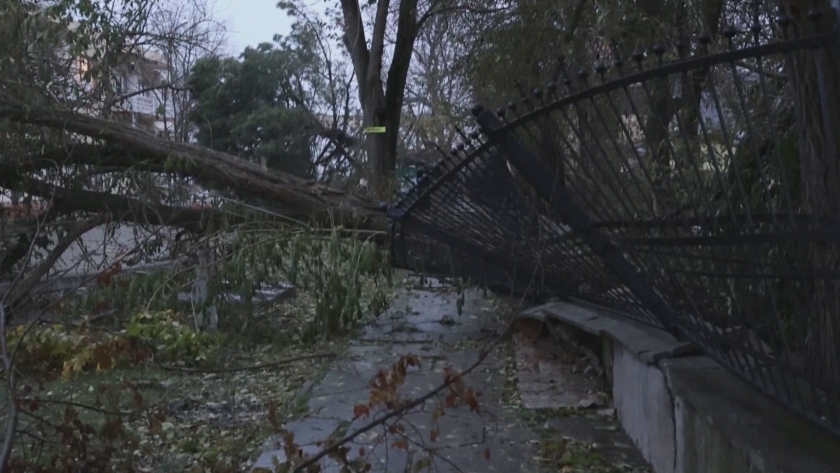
(644, 406)
(687, 414)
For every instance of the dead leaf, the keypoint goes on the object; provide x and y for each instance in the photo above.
(361, 410)
(450, 400)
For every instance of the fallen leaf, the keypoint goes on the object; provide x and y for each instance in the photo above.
(361, 410)
(473, 402)
(609, 428)
(486, 453)
(420, 465)
(450, 400)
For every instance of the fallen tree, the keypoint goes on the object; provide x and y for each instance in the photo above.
(83, 145)
(124, 148)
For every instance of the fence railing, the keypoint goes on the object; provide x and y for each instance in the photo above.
(695, 188)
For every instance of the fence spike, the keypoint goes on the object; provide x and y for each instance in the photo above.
(462, 134)
(601, 69)
(730, 32)
(659, 49)
(782, 19)
(681, 46)
(639, 58)
(583, 74)
(639, 55)
(618, 62)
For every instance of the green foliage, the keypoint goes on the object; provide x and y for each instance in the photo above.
(171, 339)
(70, 351)
(521, 43)
(338, 281)
(55, 349)
(344, 278)
(251, 107)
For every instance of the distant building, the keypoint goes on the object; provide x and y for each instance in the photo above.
(147, 103)
(139, 95)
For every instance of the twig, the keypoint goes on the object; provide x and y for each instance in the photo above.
(399, 411)
(483, 354)
(83, 406)
(246, 368)
(15, 297)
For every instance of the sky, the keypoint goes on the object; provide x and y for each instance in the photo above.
(252, 22)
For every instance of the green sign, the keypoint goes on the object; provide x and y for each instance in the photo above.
(375, 129)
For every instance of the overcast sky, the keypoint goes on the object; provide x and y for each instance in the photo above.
(252, 22)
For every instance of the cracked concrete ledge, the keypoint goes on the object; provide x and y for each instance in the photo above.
(686, 413)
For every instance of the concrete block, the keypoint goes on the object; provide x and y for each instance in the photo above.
(645, 408)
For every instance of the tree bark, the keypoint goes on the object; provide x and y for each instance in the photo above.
(295, 197)
(381, 103)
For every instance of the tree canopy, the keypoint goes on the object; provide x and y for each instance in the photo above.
(249, 108)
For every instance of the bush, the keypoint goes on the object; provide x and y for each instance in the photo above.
(169, 338)
(53, 349)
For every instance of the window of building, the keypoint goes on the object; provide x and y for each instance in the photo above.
(119, 84)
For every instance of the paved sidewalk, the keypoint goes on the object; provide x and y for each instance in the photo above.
(425, 323)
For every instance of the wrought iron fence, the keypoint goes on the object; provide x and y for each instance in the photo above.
(690, 188)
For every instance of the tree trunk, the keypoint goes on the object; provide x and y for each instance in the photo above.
(816, 75)
(380, 154)
(381, 105)
(136, 149)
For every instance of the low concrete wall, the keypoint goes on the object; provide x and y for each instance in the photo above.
(645, 408)
(687, 414)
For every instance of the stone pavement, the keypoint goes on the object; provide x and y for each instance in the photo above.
(425, 323)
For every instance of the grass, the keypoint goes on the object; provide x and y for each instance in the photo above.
(177, 420)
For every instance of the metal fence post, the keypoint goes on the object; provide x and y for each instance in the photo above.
(561, 201)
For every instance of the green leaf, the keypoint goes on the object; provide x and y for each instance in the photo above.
(420, 465)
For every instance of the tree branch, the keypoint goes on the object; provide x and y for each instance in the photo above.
(18, 292)
(356, 42)
(256, 367)
(377, 46)
(302, 199)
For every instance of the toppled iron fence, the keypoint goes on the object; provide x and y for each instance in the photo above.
(695, 188)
